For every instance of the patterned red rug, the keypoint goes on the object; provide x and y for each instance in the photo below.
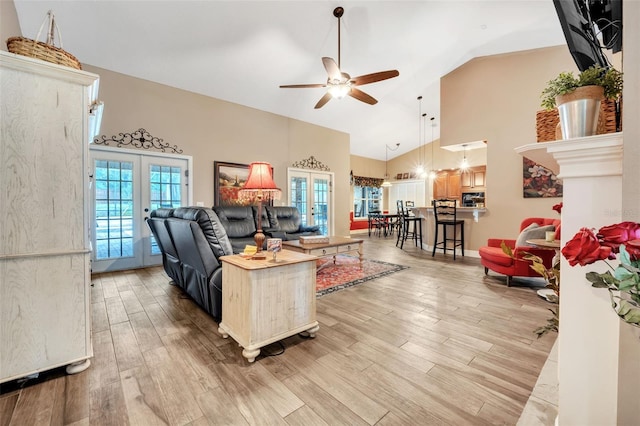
(348, 272)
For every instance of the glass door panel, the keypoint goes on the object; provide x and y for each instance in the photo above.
(126, 187)
(113, 182)
(166, 188)
(298, 195)
(321, 197)
(311, 192)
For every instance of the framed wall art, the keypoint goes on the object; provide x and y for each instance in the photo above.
(228, 179)
(538, 181)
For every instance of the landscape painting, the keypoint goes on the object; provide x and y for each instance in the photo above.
(229, 178)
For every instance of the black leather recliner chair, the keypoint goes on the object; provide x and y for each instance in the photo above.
(192, 239)
(170, 259)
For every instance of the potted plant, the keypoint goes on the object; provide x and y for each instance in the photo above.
(578, 98)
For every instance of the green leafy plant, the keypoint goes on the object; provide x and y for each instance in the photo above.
(552, 277)
(609, 78)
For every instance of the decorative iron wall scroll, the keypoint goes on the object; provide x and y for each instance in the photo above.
(138, 139)
(311, 163)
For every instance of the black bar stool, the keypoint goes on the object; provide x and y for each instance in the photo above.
(406, 230)
(445, 215)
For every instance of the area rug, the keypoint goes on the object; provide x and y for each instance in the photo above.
(348, 272)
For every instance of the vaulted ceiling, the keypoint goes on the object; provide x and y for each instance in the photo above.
(242, 51)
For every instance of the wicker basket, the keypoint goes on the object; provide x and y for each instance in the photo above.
(41, 50)
(548, 122)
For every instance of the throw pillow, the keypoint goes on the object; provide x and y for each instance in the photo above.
(532, 232)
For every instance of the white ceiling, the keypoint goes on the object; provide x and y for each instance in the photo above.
(241, 51)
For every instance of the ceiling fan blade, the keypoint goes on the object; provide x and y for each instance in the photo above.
(323, 100)
(372, 78)
(301, 86)
(332, 68)
(361, 96)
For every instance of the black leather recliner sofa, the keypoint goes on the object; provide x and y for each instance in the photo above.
(240, 222)
(192, 239)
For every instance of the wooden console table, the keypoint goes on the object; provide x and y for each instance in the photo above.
(265, 301)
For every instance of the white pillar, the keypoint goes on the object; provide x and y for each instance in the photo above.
(588, 349)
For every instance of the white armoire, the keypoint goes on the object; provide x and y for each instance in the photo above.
(45, 282)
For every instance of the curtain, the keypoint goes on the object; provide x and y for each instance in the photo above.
(367, 181)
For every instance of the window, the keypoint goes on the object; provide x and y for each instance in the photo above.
(365, 200)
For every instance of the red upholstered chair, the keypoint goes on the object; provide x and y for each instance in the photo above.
(492, 257)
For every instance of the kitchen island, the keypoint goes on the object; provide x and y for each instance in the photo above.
(471, 216)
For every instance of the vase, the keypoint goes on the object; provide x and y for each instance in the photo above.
(579, 111)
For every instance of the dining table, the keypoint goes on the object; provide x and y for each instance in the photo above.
(383, 222)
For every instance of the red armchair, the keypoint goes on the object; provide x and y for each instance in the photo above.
(492, 257)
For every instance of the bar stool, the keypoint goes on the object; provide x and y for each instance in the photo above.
(405, 230)
(445, 214)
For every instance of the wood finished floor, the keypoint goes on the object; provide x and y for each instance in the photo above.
(438, 343)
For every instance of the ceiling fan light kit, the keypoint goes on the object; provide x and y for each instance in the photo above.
(340, 84)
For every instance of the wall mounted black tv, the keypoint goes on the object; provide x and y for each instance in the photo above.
(578, 19)
(607, 15)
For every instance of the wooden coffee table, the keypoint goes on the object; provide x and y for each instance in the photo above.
(335, 246)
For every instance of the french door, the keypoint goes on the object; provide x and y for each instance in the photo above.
(312, 193)
(126, 186)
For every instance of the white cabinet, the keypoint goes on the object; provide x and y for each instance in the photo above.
(407, 191)
(44, 238)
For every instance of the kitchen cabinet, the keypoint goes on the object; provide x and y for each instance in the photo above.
(473, 178)
(447, 184)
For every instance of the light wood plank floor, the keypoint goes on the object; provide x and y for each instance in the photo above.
(438, 343)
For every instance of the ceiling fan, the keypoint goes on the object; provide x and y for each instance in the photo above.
(340, 83)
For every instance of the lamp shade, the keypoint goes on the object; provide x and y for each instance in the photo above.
(260, 182)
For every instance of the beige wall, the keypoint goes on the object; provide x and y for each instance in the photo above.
(9, 26)
(362, 166)
(211, 130)
(496, 98)
(440, 160)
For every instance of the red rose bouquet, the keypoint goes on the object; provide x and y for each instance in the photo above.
(621, 241)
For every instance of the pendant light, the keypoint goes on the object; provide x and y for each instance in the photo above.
(464, 165)
(420, 166)
(385, 182)
(423, 174)
(432, 173)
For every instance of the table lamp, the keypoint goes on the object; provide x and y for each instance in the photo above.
(260, 186)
